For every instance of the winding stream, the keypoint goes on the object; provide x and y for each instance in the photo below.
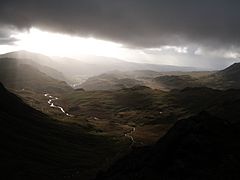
(128, 135)
(52, 105)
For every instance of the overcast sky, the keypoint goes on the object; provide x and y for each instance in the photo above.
(202, 33)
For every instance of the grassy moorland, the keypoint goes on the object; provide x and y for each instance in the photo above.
(35, 145)
(101, 126)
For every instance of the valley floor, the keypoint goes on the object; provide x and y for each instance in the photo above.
(126, 119)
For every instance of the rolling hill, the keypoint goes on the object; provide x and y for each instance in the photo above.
(110, 81)
(177, 82)
(116, 80)
(227, 78)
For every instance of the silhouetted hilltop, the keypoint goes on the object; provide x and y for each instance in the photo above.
(232, 73)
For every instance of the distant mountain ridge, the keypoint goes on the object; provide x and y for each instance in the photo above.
(228, 78)
(105, 75)
(91, 65)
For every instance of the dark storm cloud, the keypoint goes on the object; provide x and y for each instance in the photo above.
(140, 23)
(5, 36)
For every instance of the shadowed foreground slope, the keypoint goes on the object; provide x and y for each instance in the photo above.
(33, 146)
(201, 147)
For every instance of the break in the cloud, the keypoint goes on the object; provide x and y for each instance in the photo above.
(204, 25)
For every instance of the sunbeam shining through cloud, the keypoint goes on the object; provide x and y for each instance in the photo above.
(52, 43)
(55, 44)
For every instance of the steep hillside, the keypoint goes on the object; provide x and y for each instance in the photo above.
(33, 146)
(200, 147)
(232, 72)
(38, 61)
(224, 79)
(20, 76)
